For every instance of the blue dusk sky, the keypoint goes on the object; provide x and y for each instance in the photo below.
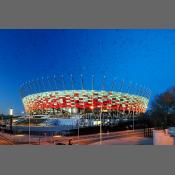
(145, 57)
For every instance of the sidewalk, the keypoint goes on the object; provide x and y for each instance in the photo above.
(24, 139)
(133, 140)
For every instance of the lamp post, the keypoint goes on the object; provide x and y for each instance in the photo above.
(133, 122)
(63, 86)
(11, 119)
(74, 106)
(82, 86)
(101, 111)
(93, 97)
(29, 130)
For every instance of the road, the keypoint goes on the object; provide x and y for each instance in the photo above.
(5, 141)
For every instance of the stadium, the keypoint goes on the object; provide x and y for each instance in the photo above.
(73, 102)
(50, 97)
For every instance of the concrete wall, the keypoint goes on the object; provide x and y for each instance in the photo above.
(161, 137)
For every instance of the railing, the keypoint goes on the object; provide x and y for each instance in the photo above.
(148, 132)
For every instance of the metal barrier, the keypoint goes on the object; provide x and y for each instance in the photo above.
(148, 132)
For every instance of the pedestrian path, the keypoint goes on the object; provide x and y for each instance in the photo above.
(5, 141)
(131, 140)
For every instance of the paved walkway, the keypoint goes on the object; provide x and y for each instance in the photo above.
(113, 138)
(24, 139)
(132, 140)
(5, 141)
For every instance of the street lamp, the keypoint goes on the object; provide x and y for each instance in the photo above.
(101, 111)
(30, 128)
(133, 122)
(74, 106)
(11, 111)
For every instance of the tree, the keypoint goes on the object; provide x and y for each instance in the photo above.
(162, 107)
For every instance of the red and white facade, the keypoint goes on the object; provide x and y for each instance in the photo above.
(84, 99)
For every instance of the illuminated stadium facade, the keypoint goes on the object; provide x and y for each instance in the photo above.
(79, 100)
(45, 97)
